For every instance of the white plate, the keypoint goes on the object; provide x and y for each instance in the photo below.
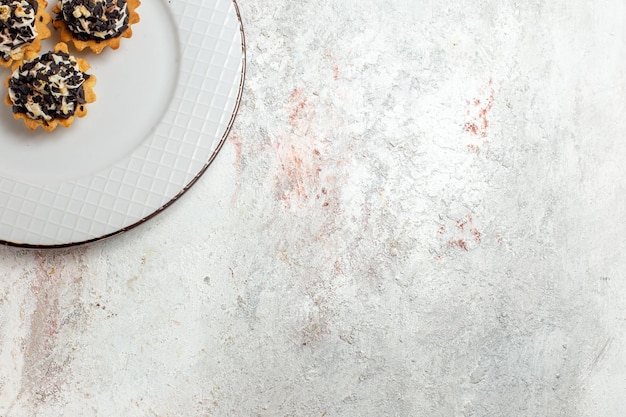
(165, 102)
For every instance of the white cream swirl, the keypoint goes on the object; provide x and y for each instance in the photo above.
(48, 87)
(17, 26)
(95, 19)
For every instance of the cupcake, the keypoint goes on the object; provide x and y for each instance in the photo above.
(95, 24)
(23, 24)
(51, 89)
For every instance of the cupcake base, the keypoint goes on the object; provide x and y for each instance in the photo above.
(42, 18)
(98, 45)
(81, 109)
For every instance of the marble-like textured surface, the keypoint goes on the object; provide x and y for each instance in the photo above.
(419, 212)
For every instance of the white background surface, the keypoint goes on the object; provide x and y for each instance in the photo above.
(419, 212)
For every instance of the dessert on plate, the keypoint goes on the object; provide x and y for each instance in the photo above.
(51, 89)
(23, 24)
(95, 24)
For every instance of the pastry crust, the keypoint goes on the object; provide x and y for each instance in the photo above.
(42, 18)
(97, 46)
(81, 109)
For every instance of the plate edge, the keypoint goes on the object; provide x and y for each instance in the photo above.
(201, 172)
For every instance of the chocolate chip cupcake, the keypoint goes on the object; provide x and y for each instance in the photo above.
(51, 89)
(23, 24)
(95, 24)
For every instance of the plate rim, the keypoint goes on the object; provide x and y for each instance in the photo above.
(185, 188)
